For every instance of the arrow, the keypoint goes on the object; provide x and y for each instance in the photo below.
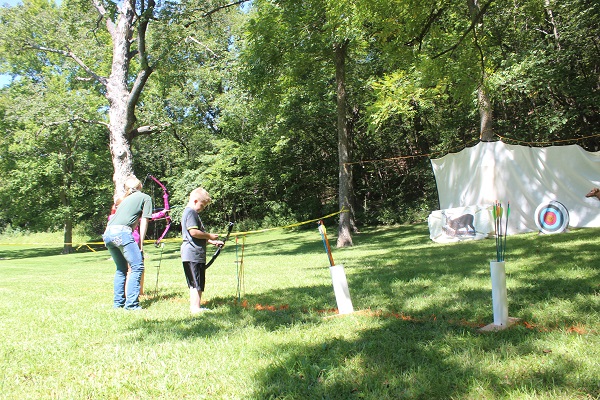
(323, 232)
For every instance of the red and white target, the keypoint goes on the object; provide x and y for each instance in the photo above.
(551, 217)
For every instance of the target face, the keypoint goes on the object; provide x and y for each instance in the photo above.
(551, 217)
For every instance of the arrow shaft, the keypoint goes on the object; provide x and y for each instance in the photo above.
(326, 243)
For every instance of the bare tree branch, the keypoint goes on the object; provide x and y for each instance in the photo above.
(102, 11)
(145, 69)
(73, 56)
(70, 121)
(148, 129)
(138, 86)
(216, 9)
(193, 39)
(235, 3)
(474, 22)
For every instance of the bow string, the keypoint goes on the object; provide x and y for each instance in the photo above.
(220, 247)
(164, 213)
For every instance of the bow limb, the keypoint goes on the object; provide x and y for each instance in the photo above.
(164, 213)
(220, 247)
(162, 236)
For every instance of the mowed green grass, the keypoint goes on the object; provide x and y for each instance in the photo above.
(415, 333)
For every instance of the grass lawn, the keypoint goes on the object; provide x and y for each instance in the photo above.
(415, 333)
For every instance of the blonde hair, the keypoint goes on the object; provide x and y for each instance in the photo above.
(132, 184)
(118, 201)
(200, 194)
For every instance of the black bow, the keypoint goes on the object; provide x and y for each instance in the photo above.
(219, 247)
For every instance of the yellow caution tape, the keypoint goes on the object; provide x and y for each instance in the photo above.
(87, 244)
(343, 210)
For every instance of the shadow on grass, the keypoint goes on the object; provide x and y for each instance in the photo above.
(552, 262)
(152, 296)
(32, 250)
(29, 252)
(289, 248)
(449, 282)
(428, 355)
(398, 359)
(406, 360)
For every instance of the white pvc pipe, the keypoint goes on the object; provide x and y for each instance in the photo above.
(499, 301)
(340, 288)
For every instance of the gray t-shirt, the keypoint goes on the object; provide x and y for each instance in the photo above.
(192, 249)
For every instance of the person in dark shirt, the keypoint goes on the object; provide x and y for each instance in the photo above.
(193, 247)
(136, 208)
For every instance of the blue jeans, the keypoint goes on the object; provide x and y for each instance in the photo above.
(124, 250)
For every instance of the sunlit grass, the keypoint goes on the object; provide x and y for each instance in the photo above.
(414, 335)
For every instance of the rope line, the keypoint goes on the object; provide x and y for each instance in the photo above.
(235, 234)
(343, 210)
(502, 138)
(547, 143)
(428, 155)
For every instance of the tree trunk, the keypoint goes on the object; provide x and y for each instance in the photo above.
(345, 173)
(64, 192)
(486, 132)
(120, 148)
(68, 220)
(68, 236)
(121, 114)
(552, 23)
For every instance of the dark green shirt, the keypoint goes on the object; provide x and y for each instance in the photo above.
(131, 208)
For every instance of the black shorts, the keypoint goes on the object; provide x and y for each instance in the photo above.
(195, 274)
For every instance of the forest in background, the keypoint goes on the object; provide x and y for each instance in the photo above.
(244, 99)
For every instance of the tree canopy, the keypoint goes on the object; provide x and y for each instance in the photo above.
(243, 98)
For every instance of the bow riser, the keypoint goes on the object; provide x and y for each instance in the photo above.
(164, 213)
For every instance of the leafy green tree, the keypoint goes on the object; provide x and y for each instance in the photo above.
(57, 169)
(297, 56)
(88, 33)
(278, 104)
(546, 89)
(325, 59)
(102, 50)
(529, 64)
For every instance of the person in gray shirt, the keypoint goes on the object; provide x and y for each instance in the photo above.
(193, 247)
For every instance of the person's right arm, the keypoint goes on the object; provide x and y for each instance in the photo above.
(198, 234)
(143, 229)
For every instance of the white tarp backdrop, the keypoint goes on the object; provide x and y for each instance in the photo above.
(524, 176)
